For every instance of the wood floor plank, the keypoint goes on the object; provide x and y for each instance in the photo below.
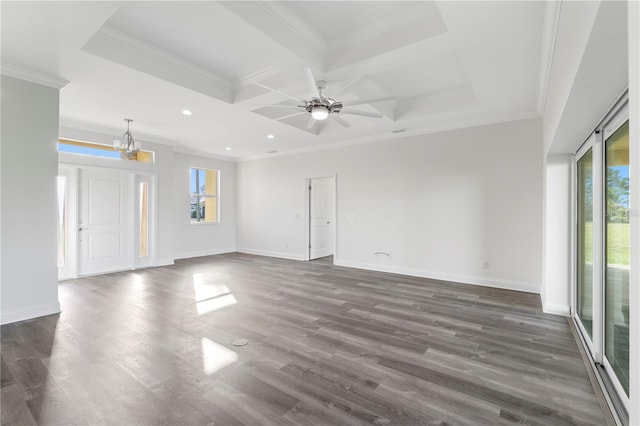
(328, 345)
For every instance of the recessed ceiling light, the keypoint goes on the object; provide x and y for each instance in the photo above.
(186, 112)
(270, 136)
(228, 148)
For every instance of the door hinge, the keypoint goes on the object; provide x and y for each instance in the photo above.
(309, 187)
(309, 245)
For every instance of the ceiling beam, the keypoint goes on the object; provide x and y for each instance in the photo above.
(116, 46)
(277, 22)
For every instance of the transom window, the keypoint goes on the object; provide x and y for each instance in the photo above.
(100, 150)
(204, 195)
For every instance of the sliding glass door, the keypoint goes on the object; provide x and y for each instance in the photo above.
(602, 250)
(584, 290)
(616, 285)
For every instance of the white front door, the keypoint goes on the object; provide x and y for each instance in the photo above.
(105, 223)
(321, 221)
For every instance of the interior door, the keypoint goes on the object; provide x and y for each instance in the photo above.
(322, 220)
(105, 223)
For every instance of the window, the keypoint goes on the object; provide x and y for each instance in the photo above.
(99, 150)
(144, 219)
(62, 220)
(204, 195)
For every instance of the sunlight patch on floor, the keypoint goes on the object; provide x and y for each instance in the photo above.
(215, 356)
(211, 296)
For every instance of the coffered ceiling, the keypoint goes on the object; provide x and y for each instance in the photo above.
(439, 65)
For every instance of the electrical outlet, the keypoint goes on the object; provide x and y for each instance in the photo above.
(484, 264)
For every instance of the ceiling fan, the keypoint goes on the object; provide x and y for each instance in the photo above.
(321, 107)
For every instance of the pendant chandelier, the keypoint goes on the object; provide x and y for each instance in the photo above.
(127, 146)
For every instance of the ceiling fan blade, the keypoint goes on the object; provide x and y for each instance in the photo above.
(291, 115)
(362, 113)
(277, 106)
(368, 101)
(280, 92)
(313, 86)
(350, 85)
(311, 123)
(340, 120)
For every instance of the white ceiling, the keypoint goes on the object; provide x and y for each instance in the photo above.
(447, 64)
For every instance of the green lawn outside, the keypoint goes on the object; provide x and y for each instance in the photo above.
(618, 247)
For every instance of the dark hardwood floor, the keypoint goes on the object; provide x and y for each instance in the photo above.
(327, 346)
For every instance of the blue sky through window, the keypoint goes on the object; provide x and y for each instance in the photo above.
(201, 177)
(624, 170)
(96, 152)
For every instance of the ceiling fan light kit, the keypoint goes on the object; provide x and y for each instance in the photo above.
(321, 107)
(320, 112)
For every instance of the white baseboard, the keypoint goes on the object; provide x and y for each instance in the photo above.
(280, 255)
(463, 279)
(30, 312)
(163, 262)
(201, 253)
(555, 309)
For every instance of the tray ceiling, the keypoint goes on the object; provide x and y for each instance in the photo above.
(445, 64)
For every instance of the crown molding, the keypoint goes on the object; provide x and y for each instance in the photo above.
(259, 75)
(82, 131)
(123, 38)
(395, 135)
(186, 151)
(33, 76)
(104, 134)
(294, 24)
(549, 34)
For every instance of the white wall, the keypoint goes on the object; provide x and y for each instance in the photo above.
(29, 168)
(589, 72)
(558, 222)
(439, 203)
(191, 240)
(575, 23)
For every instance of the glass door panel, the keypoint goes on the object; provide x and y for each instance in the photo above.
(143, 225)
(584, 308)
(62, 221)
(616, 306)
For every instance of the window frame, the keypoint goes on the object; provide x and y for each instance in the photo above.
(206, 195)
(96, 149)
(613, 120)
